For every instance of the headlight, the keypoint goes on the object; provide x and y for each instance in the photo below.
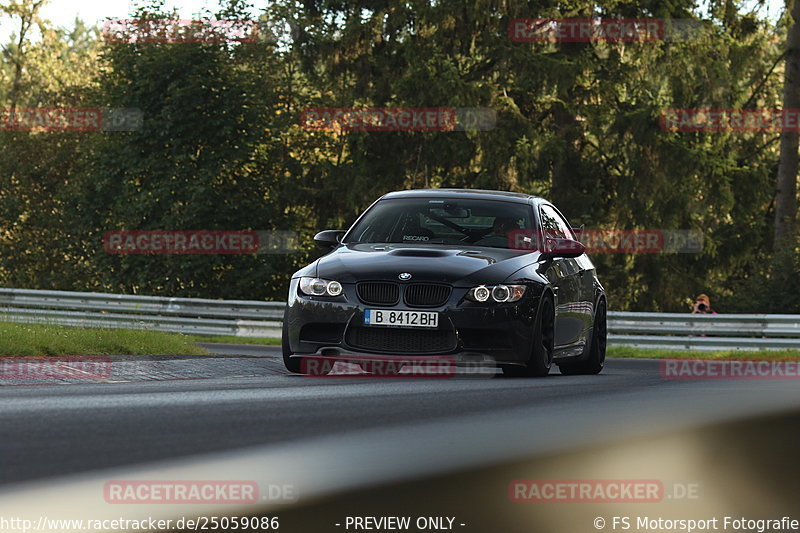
(501, 293)
(481, 293)
(498, 293)
(320, 287)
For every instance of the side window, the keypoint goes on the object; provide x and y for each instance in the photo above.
(563, 224)
(553, 225)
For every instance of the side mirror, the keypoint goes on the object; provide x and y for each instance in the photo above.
(563, 248)
(329, 239)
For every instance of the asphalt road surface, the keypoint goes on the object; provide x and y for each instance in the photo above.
(159, 407)
(359, 444)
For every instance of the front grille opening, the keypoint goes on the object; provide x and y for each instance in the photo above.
(427, 294)
(378, 292)
(400, 340)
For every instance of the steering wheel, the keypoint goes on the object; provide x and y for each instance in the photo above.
(474, 235)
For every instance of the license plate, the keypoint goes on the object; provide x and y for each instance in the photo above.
(406, 319)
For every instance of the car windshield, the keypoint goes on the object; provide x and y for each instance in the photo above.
(488, 223)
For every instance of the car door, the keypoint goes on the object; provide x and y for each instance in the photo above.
(586, 281)
(564, 274)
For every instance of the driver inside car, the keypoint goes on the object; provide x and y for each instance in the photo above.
(502, 233)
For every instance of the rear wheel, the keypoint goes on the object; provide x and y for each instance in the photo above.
(541, 358)
(597, 349)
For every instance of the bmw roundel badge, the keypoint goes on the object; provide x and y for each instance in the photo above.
(405, 276)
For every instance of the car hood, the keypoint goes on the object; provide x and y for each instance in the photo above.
(456, 265)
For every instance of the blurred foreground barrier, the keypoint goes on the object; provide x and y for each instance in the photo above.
(244, 318)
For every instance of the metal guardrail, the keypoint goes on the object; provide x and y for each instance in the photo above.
(245, 318)
(718, 325)
(239, 318)
(704, 332)
(94, 301)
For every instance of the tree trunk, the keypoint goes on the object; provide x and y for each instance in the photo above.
(786, 190)
(28, 13)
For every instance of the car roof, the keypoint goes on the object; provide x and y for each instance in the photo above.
(462, 193)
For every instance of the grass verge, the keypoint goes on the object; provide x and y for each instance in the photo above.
(640, 353)
(45, 339)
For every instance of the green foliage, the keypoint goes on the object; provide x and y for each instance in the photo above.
(203, 160)
(37, 171)
(774, 288)
(222, 147)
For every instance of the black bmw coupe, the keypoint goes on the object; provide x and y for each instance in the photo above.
(482, 277)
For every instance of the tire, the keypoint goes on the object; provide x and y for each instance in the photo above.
(541, 359)
(597, 349)
(303, 365)
(293, 365)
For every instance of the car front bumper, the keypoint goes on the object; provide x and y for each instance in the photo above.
(467, 331)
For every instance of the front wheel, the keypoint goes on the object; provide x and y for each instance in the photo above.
(313, 365)
(541, 359)
(597, 350)
(292, 364)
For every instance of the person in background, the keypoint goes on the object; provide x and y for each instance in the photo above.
(702, 305)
